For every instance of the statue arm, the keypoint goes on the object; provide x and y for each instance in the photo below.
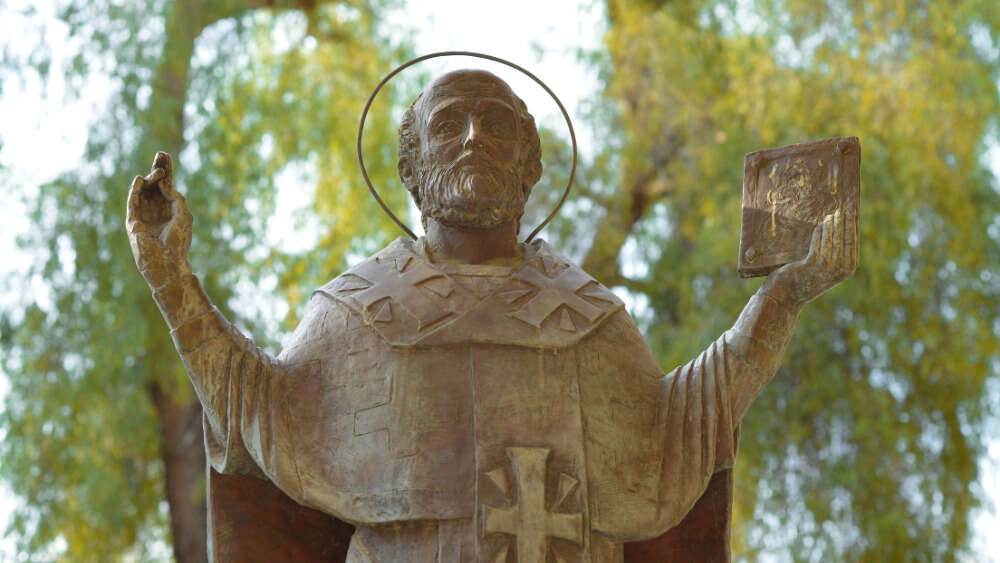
(233, 379)
(758, 339)
(705, 399)
(754, 346)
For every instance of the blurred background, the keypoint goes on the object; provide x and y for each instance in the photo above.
(879, 438)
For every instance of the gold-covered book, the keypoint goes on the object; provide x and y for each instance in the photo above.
(786, 193)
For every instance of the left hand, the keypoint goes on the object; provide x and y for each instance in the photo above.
(832, 258)
(158, 223)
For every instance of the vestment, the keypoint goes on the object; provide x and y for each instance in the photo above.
(468, 411)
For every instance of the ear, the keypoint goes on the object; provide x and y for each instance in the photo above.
(406, 173)
(405, 170)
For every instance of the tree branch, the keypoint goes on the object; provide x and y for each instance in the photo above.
(626, 209)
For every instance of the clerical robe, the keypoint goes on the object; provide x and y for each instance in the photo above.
(457, 412)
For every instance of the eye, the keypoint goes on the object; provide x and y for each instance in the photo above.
(446, 128)
(499, 129)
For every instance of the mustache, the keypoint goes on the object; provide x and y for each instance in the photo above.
(470, 158)
(461, 179)
(473, 192)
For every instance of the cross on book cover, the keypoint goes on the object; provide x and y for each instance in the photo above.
(786, 193)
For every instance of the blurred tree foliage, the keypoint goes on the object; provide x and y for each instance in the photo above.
(100, 425)
(865, 446)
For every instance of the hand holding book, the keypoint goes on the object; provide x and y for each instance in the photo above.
(788, 193)
(832, 258)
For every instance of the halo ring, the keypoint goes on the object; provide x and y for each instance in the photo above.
(411, 62)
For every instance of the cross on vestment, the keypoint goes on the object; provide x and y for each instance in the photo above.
(553, 293)
(529, 521)
(377, 298)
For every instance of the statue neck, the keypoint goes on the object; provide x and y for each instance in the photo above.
(472, 246)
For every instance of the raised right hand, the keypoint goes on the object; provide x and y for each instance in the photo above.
(832, 258)
(159, 222)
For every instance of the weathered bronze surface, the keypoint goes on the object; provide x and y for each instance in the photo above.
(787, 192)
(464, 396)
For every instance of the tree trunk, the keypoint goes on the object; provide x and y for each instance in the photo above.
(184, 470)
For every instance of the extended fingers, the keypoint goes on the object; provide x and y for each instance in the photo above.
(163, 167)
(154, 176)
(177, 235)
(179, 231)
(163, 160)
(837, 252)
(846, 241)
(851, 236)
(132, 220)
(826, 242)
(181, 213)
(815, 244)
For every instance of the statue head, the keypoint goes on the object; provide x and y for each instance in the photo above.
(469, 151)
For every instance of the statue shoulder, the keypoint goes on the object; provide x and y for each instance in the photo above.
(377, 267)
(323, 323)
(554, 262)
(328, 317)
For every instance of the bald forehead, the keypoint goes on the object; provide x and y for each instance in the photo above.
(466, 83)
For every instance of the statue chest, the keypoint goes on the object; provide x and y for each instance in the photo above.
(425, 418)
(483, 432)
(427, 401)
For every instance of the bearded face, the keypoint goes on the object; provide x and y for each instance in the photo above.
(473, 193)
(469, 151)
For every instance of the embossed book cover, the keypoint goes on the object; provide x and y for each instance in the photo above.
(786, 193)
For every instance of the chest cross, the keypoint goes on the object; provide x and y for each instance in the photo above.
(529, 521)
(399, 278)
(554, 292)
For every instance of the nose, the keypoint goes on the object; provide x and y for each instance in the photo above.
(471, 135)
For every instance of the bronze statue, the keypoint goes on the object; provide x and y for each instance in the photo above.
(463, 397)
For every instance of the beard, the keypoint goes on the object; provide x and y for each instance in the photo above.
(479, 195)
